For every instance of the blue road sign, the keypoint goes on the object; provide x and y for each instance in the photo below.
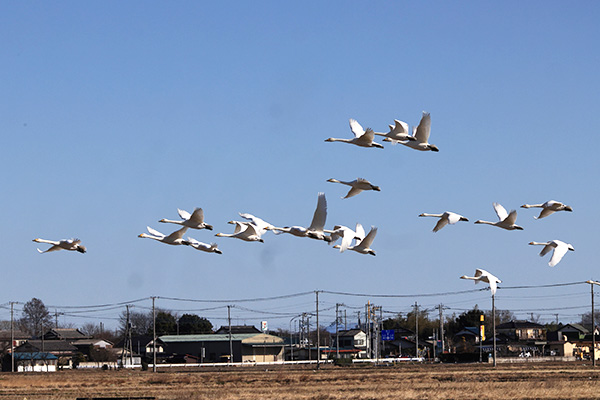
(387, 334)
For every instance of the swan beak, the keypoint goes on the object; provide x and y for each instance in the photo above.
(161, 220)
(421, 215)
(531, 243)
(140, 235)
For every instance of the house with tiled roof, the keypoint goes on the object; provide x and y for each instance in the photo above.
(246, 347)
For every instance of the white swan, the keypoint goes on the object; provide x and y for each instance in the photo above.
(209, 248)
(364, 246)
(549, 207)
(362, 138)
(357, 186)
(420, 136)
(506, 220)
(446, 218)
(194, 220)
(560, 249)
(245, 231)
(65, 244)
(175, 238)
(317, 226)
(261, 225)
(484, 276)
(347, 235)
(398, 132)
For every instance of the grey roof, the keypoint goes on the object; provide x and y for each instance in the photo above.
(209, 337)
(18, 335)
(519, 325)
(49, 345)
(350, 332)
(577, 327)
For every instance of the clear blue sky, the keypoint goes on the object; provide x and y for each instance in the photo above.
(115, 114)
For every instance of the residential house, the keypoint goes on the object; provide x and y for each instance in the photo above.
(61, 349)
(246, 347)
(351, 343)
(19, 338)
(522, 330)
(32, 362)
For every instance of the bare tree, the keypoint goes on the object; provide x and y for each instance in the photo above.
(35, 317)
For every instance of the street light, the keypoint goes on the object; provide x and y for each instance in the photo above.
(592, 283)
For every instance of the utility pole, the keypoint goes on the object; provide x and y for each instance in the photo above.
(153, 335)
(230, 337)
(127, 345)
(337, 332)
(12, 337)
(592, 283)
(318, 332)
(416, 330)
(494, 324)
(440, 309)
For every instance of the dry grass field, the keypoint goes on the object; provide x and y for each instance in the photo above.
(412, 381)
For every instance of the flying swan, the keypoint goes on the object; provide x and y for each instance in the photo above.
(364, 246)
(194, 220)
(246, 231)
(506, 220)
(549, 207)
(317, 226)
(446, 218)
(420, 136)
(357, 186)
(209, 248)
(398, 132)
(481, 275)
(361, 138)
(65, 244)
(175, 238)
(560, 249)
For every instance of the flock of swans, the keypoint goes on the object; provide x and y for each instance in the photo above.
(253, 228)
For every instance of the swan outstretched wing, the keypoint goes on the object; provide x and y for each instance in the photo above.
(367, 137)
(184, 214)
(155, 232)
(440, 224)
(400, 128)
(320, 215)
(424, 128)
(352, 192)
(368, 240)
(500, 211)
(545, 212)
(360, 233)
(197, 216)
(512, 217)
(493, 285)
(178, 234)
(356, 128)
(547, 249)
(53, 248)
(260, 224)
(559, 251)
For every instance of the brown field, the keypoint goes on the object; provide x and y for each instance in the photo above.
(411, 381)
